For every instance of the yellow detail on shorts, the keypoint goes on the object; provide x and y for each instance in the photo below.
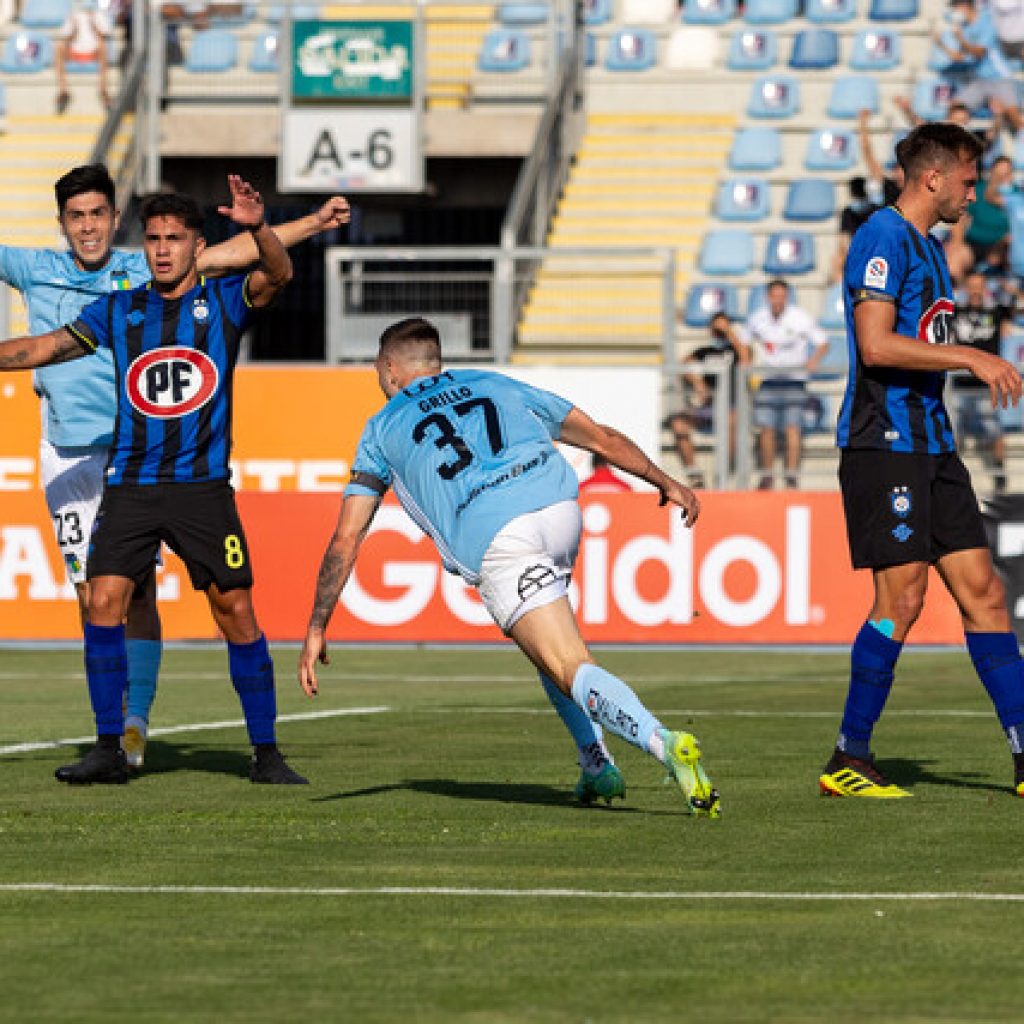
(234, 556)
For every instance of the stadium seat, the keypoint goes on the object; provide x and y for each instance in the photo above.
(631, 49)
(26, 53)
(752, 49)
(893, 10)
(708, 12)
(830, 12)
(597, 12)
(265, 52)
(789, 252)
(757, 297)
(45, 13)
(523, 14)
(851, 94)
(212, 50)
(931, 98)
(505, 49)
(831, 149)
(836, 360)
(756, 149)
(832, 316)
(876, 49)
(810, 199)
(647, 12)
(300, 12)
(742, 199)
(769, 12)
(692, 48)
(589, 49)
(727, 252)
(814, 49)
(776, 96)
(703, 301)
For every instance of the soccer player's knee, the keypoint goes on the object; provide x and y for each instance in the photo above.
(909, 603)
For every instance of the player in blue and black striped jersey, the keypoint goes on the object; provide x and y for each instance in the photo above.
(174, 343)
(907, 496)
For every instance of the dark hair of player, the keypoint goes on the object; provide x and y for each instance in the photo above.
(172, 204)
(411, 334)
(936, 144)
(79, 180)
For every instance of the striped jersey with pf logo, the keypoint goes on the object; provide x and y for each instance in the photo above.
(885, 408)
(174, 360)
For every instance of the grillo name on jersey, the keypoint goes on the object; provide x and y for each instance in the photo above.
(936, 325)
(443, 398)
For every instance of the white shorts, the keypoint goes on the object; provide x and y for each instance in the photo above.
(73, 485)
(529, 562)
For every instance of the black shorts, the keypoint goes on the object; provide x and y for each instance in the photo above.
(903, 507)
(198, 522)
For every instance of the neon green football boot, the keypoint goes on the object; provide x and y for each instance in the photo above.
(682, 759)
(607, 784)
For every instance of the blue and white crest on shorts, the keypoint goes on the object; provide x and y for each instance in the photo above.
(899, 499)
(903, 533)
(73, 563)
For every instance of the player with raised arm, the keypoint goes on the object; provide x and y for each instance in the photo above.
(907, 496)
(79, 399)
(471, 458)
(174, 344)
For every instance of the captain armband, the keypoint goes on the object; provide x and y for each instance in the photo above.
(868, 295)
(369, 481)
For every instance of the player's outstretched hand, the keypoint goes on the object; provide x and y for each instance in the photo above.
(1002, 377)
(246, 208)
(313, 650)
(684, 498)
(334, 213)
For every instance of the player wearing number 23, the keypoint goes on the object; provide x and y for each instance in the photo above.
(174, 343)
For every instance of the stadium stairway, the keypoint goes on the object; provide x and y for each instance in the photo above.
(642, 180)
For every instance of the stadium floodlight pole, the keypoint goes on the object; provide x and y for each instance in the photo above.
(153, 33)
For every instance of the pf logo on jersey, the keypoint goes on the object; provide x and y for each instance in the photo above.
(167, 383)
(936, 326)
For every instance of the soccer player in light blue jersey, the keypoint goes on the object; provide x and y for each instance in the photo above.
(78, 399)
(470, 454)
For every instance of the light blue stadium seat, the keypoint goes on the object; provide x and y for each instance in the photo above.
(742, 199)
(44, 13)
(876, 49)
(769, 12)
(265, 53)
(833, 317)
(752, 49)
(505, 49)
(212, 50)
(631, 49)
(597, 12)
(789, 252)
(775, 96)
(708, 12)
(756, 149)
(830, 12)
(931, 98)
(523, 14)
(814, 49)
(727, 252)
(851, 94)
(705, 300)
(810, 199)
(893, 10)
(589, 49)
(26, 53)
(300, 12)
(831, 149)
(940, 61)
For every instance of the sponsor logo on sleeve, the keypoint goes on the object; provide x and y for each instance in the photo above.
(876, 273)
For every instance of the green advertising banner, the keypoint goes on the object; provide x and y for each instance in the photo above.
(352, 60)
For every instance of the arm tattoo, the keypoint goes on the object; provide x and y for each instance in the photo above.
(39, 350)
(333, 573)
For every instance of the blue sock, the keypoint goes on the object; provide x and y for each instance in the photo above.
(997, 661)
(611, 703)
(872, 664)
(252, 675)
(584, 731)
(143, 669)
(106, 670)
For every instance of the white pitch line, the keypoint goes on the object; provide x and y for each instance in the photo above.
(468, 891)
(170, 730)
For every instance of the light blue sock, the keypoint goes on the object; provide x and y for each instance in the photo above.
(143, 669)
(611, 703)
(588, 735)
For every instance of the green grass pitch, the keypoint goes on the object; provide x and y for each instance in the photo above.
(463, 782)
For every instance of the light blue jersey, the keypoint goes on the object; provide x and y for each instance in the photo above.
(466, 452)
(79, 400)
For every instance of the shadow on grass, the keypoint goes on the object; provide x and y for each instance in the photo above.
(163, 758)
(492, 792)
(907, 774)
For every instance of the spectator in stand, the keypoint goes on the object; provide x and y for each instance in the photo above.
(986, 225)
(980, 321)
(82, 39)
(726, 347)
(603, 479)
(782, 337)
